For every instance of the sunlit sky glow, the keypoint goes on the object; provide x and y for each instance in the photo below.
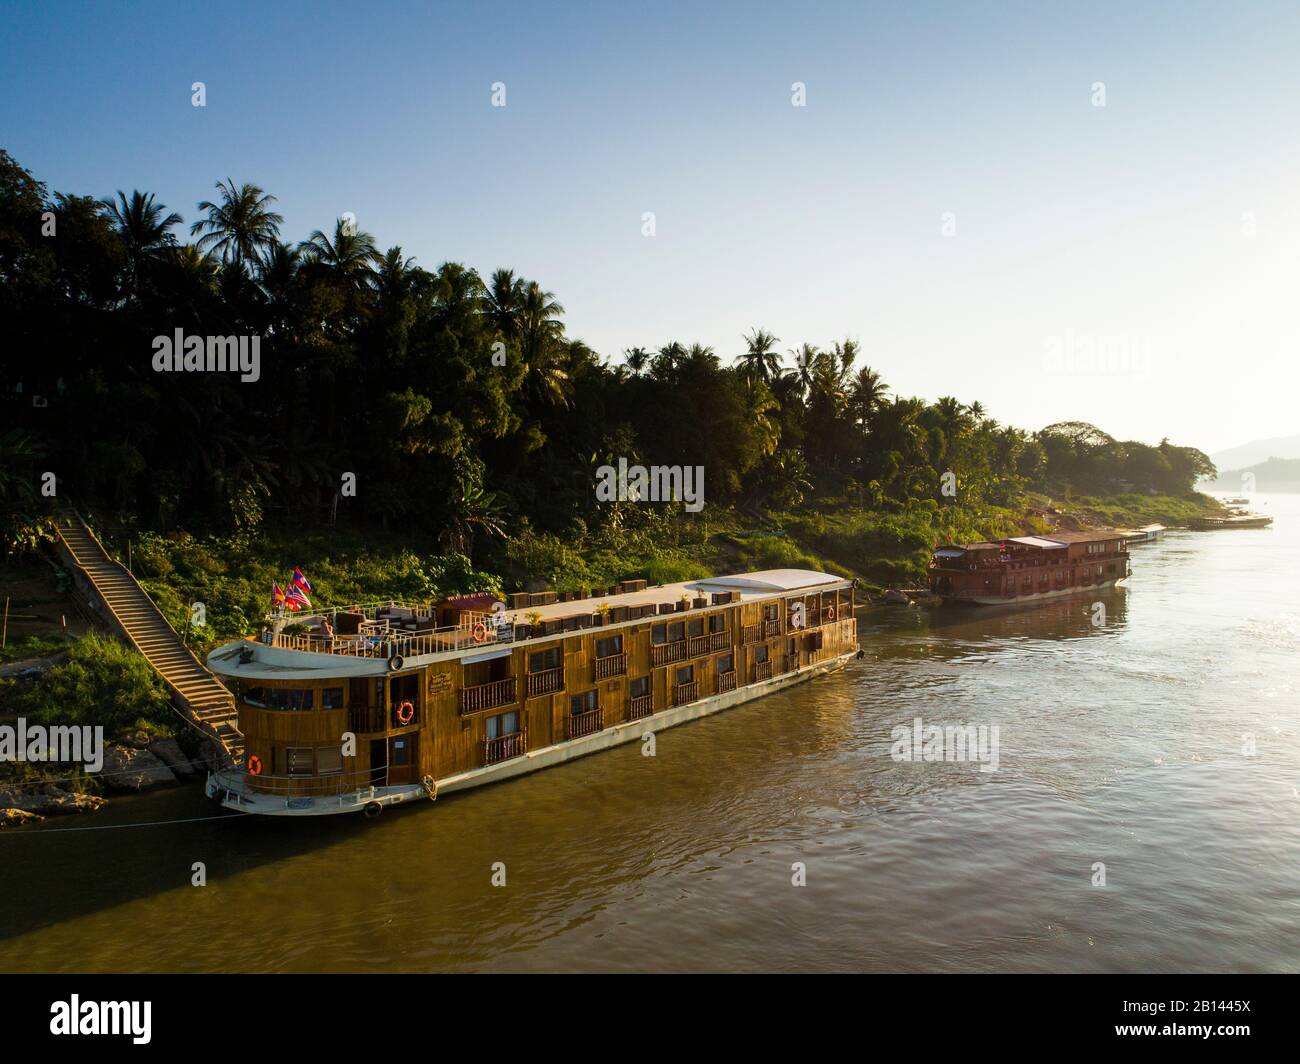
(814, 223)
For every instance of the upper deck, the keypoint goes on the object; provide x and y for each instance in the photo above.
(373, 635)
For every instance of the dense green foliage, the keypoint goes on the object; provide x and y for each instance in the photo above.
(472, 421)
(101, 683)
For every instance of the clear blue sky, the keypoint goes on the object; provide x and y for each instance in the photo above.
(1072, 221)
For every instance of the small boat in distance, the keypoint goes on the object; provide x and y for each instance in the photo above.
(1029, 568)
(1235, 519)
(1145, 534)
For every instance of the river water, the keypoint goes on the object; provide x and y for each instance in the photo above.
(1124, 744)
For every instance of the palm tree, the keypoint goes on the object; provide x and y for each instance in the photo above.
(805, 357)
(394, 277)
(350, 255)
(541, 337)
(636, 358)
(867, 393)
(142, 224)
(760, 361)
(239, 224)
(669, 359)
(503, 303)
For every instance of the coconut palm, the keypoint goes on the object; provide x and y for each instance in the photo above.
(760, 361)
(143, 225)
(867, 393)
(239, 225)
(541, 337)
(636, 359)
(503, 303)
(349, 255)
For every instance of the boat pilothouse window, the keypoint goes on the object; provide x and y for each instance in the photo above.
(290, 699)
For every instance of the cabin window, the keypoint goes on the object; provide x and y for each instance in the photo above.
(505, 724)
(686, 674)
(638, 688)
(1028, 582)
(329, 760)
(718, 623)
(676, 632)
(772, 611)
(290, 699)
(659, 634)
(695, 626)
(544, 660)
(726, 664)
(331, 698)
(760, 652)
(298, 760)
(583, 703)
(791, 647)
(607, 648)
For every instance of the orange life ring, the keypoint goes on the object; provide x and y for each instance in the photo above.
(479, 631)
(254, 766)
(405, 713)
(830, 613)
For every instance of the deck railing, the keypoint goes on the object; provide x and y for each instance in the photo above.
(663, 653)
(727, 681)
(640, 706)
(753, 633)
(698, 645)
(686, 692)
(504, 747)
(588, 723)
(611, 665)
(762, 670)
(315, 786)
(489, 695)
(719, 640)
(545, 682)
(771, 628)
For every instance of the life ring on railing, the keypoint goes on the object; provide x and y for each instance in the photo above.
(395, 663)
(829, 613)
(405, 713)
(254, 766)
(479, 632)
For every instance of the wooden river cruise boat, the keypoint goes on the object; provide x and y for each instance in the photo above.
(369, 706)
(1029, 568)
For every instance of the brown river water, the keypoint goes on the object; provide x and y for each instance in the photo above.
(1120, 744)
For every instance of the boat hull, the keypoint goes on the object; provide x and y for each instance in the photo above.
(1028, 600)
(230, 788)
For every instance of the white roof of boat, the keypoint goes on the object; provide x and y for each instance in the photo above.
(768, 580)
(1037, 541)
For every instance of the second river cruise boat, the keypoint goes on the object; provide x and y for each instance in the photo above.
(366, 706)
(1029, 568)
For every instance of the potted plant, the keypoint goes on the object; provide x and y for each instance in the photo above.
(601, 616)
(683, 603)
(700, 602)
(534, 624)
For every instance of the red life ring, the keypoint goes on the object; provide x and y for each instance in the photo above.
(479, 631)
(830, 613)
(405, 713)
(254, 766)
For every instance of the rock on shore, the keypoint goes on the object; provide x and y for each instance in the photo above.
(129, 769)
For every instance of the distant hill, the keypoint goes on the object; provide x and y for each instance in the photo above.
(1277, 474)
(1249, 454)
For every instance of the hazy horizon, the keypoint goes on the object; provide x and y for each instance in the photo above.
(1163, 225)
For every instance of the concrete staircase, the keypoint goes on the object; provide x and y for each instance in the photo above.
(202, 698)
